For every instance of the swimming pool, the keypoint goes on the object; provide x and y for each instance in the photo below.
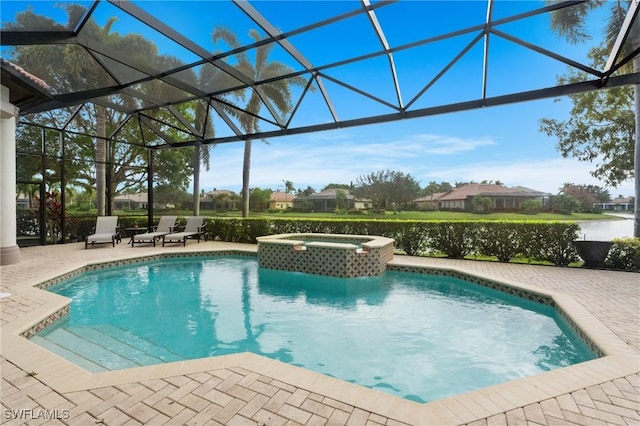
(412, 335)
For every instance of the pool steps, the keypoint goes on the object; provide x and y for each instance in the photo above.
(126, 349)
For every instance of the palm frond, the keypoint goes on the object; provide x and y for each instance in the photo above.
(221, 33)
(570, 22)
(618, 13)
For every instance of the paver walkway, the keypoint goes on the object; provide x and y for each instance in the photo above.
(243, 395)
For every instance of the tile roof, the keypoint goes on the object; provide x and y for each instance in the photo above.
(25, 89)
(432, 197)
(22, 72)
(489, 190)
(281, 197)
(620, 200)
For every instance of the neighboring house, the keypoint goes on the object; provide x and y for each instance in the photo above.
(430, 202)
(363, 204)
(136, 201)
(281, 201)
(325, 201)
(624, 204)
(218, 199)
(504, 198)
(130, 201)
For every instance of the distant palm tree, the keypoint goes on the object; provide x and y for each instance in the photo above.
(277, 92)
(569, 22)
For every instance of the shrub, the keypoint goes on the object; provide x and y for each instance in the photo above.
(481, 204)
(28, 222)
(500, 239)
(413, 239)
(552, 242)
(624, 254)
(532, 207)
(542, 240)
(230, 230)
(455, 239)
(565, 204)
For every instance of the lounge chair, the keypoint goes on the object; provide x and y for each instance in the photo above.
(106, 231)
(194, 229)
(166, 225)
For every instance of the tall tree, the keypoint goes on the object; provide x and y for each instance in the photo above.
(277, 92)
(434, 188)
(386, 187)
(201, 154)
(431, 188)
(581, 193)
(338, 186)
(598, 193)
(66, 67)
(601, 128)
(569, 22)
(260, 198)
(307, 191)
(341, 199)
(288, 186)
(445, 187)
(208, 78)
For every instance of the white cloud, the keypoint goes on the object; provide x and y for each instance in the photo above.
(447, 145)
(545, 175)
(324, 159)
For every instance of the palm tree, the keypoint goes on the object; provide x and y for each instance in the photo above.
(277, 92)
(569, 23)
(201, 155)
(208, 77)
(288, 187)
(70, 68)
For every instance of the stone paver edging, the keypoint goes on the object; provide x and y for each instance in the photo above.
(605, 389)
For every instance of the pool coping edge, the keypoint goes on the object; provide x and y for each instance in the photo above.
(618, 360)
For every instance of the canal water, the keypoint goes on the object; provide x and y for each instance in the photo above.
(606, 230)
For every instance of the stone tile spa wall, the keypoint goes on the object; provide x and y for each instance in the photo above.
(346, 256)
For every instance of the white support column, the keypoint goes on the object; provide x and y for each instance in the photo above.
(9, 250)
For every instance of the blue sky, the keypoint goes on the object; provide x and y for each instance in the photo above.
(500, 143)
(497, 143)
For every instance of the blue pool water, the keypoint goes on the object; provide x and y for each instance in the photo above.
(417, 336)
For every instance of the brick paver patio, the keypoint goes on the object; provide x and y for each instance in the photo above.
(247, 390)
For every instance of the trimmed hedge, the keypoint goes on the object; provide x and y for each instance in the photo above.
(550, 241)
(624, 254)
(540, 240)
(455, 239)
(502, 240)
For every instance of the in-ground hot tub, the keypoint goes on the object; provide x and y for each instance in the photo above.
(337, 255)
